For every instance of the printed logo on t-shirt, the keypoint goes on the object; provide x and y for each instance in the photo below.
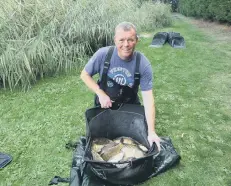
(110, 84)
(121, 76)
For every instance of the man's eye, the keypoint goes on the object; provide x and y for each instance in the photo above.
(130, 40)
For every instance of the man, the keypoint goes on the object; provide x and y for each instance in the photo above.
(121, 71)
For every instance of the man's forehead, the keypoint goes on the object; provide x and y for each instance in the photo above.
(123, 33)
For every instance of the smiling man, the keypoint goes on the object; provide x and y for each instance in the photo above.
(122, 70)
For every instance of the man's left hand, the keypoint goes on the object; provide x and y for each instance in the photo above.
(154, 138)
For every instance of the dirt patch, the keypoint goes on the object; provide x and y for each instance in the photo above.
(215, 26)
(220, 31)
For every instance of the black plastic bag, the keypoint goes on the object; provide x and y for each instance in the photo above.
(112, 124)
(105, 123)
(81, 175)
(159, 39)
(176, 40)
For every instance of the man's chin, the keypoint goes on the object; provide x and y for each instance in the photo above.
(127, 56)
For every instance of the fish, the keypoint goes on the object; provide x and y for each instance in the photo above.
(125, 140)
(131, 152)
(116, 158)
(109, 151)
(119, 150)
(130, 141)
(143, 148)
(96, 156)
(99, 143)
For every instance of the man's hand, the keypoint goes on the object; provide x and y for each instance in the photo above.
(104, 99)
(153, 138)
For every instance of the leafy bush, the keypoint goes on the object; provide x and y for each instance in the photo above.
(40, 37)
(215, 10)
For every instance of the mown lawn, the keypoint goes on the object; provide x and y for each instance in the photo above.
(193, 102)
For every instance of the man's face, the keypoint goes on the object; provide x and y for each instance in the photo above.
(125, 42)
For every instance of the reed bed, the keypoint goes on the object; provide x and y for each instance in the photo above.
(44, 38)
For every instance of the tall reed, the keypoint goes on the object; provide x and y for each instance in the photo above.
(47, 37)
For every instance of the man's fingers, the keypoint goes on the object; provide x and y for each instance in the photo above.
(158, 146)
(106, 105)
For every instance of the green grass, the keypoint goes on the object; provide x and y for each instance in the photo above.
(192, 95)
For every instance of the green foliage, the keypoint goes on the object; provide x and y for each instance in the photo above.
(192, 97)
(216, 10)
(44, 38)
(173, 3)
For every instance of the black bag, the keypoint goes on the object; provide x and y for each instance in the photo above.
(159, 39)
(128, 120)
(176, 40)
(81, 175)
(112, 124)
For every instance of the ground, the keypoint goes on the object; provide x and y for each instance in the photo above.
(222, 32)
(219, 31)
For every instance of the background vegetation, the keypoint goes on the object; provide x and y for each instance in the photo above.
(45, 38)
(215, 10)
(192, 95)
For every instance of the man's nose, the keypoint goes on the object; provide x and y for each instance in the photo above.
(126, 42)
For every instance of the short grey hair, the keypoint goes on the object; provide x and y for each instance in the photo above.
(126, 26)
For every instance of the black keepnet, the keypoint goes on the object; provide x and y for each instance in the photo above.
(126, 120)
(112, 124)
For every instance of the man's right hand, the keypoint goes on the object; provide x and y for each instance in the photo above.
(104, 99)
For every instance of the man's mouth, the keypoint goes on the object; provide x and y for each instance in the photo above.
(127, 51)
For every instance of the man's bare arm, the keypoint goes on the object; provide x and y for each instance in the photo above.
(90, 82)
(104, 99)
(149, 108)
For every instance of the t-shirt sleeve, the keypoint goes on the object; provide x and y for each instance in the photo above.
(146, 76)
(93, 65)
